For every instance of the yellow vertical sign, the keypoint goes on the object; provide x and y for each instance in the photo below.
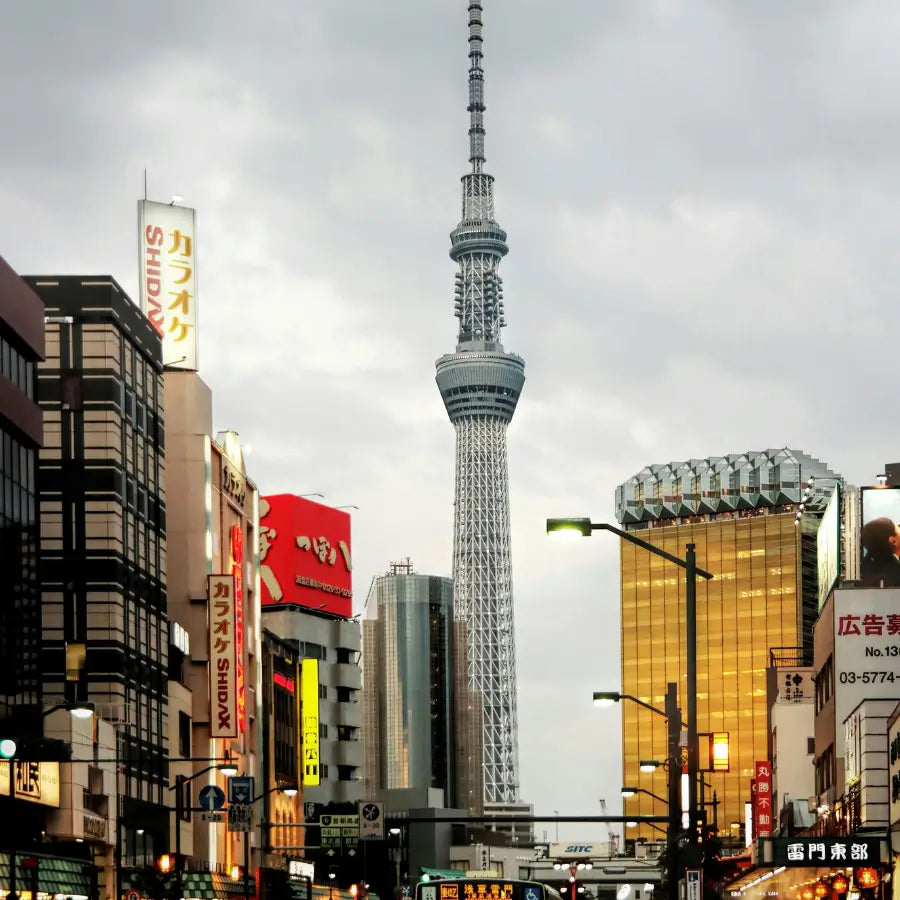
(309, 720)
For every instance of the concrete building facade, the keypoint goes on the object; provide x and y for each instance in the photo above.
(213, 529)
(335, 642)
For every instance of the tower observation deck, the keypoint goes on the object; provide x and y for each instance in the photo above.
(480, 385)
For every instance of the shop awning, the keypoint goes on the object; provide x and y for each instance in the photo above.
(443, 873)
(56, 875)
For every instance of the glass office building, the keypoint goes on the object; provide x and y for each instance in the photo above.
(418, 711)
(743, 514)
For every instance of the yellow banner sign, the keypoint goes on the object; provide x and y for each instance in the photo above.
(309, 719)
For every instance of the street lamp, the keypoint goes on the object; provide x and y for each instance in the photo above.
(80, 709)
(631, 791)
(672, 714)
(585, 527)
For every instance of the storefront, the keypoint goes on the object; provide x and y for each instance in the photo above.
(813, 868)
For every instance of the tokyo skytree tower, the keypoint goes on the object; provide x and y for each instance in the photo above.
(480, 385)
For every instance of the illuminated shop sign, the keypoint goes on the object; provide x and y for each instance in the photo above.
(283, 682)
(223, 669)
(850, 850)
(36, 782)
(309, 719)
(763, 798)
(237, 570)
(304, 555)
(168, 273)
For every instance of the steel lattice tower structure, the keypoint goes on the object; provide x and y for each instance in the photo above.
(480, 385)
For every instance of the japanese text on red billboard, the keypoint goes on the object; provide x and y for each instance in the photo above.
(223, 693)
(880, 537)
(304, 554)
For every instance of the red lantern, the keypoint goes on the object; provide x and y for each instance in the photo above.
(821, 889)
(866, 878)
(807, 894)
(840, 884)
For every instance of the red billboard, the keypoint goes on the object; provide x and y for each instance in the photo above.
(764, 811)
(304, 555)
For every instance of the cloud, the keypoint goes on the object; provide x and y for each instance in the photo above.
(702, 208)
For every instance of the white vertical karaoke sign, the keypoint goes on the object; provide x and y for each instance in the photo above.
(168, 275)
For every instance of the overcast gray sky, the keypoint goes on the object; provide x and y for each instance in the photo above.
(703, 205)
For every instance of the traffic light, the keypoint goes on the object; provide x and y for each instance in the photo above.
(165, 863)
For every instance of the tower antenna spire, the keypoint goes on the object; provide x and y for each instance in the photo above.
(476, 88)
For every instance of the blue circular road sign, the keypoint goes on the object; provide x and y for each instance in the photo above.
(212, 798)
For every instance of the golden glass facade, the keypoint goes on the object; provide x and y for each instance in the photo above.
(752, 605)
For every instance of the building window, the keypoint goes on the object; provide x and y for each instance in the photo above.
(184, 735)
(323, 731)
(323, 692)
(345, 773)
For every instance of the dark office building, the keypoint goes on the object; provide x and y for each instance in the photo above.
(102, 515)
(21, 348)
(281, 746)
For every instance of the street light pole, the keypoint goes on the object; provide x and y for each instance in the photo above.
(585, 527)
(690, 615)
(246, 865)
(673, 722)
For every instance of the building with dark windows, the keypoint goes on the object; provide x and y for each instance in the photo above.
(21, 431)
(743, 512)
(103, 529)
(280, 692)
(422, 725)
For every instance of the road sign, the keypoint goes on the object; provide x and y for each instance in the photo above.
(328, 820)
(371, 821)
(694, 884)
(212, 797)
(132, 894)
(213, 817)
(239, 815)
(241, 788)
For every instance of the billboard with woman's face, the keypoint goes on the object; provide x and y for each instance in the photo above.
(880, 537)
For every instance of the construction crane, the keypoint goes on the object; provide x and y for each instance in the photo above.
(613, 837)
